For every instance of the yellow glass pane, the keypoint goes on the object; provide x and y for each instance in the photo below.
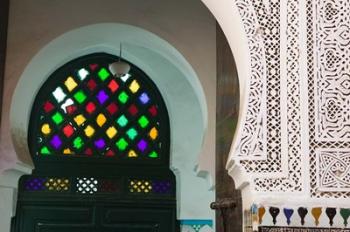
(100, 120)
(67, 151)
(70, 84)
(46, 129)
(132, 153)
(111, 132)
(153, 133)
(89, 131)
(79, 119)
(134, 86)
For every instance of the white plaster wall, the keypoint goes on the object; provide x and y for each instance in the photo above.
(187, 25)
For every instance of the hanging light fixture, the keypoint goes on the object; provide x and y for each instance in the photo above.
(119, 68)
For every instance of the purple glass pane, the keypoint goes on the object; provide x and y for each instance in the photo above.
(102, 96)
(142, 145)
(144, 98)
(162, 187)
(35, 184)
(56, 142)
(100, 143)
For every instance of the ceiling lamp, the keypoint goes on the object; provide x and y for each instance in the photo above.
(119, 68)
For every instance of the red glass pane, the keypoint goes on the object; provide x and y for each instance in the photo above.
(91, 84)
(90, 107)
(112, 108)
(113, 86)
(153, 110)
(93, 67)
(68, 130)
(88, 152)
(48, 106)
(133, 110)
(71, 109)
(110, 153)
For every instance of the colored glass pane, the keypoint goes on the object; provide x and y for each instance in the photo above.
(112, 108)
(125, 77)
(68, 130)
(143, 121)
(132, 153)
(67, 103)
(45, 129)
(89, 131)
(91, 84)
(153, 110)
(100, 143)
(103, 74)
(71, 109)
(67, 151)
(57, 118)
(133, 110)
(88, 152)
(142, 145)
(122, 121)
(122, 144)
(78, 142)
(153, 154)
(153, 134)
(56, 142)
(93, 67)
(79, 119)
(111, 132)
(101, 120)
(113, 86)
(58, 94)
(123, 97)
(48, 106)
(70, 84)
(80, 96)
(90, 107)
(132, 133)
(45, 151)
(83, 73)
(102, 97)
(144, 99)
(134, 86)
(110, 153)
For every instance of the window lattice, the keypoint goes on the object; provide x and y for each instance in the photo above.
(82, 110)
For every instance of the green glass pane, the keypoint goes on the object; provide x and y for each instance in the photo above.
(80, 96)
(78, 143)
(122, 121)
(57, 118)
(143, 121)
(132, 133)
(153, 154)
(122, 144)
(103, 74)
(123, 97)
(45, 151)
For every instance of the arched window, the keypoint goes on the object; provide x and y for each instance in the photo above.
(101, 140)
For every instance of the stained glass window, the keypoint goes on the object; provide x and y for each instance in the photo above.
(84, 111)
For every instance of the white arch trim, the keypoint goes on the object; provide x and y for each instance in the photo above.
(174, 77)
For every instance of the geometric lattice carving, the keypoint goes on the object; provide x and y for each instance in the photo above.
(328, 68)
(150, 186)
(253, 135)
(333, 169)
(87, 185)
(293, 181)
(332, 79)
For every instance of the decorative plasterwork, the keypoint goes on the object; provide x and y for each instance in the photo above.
(253, 135)
(333, 169)
(329, 99)
(279, 169)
